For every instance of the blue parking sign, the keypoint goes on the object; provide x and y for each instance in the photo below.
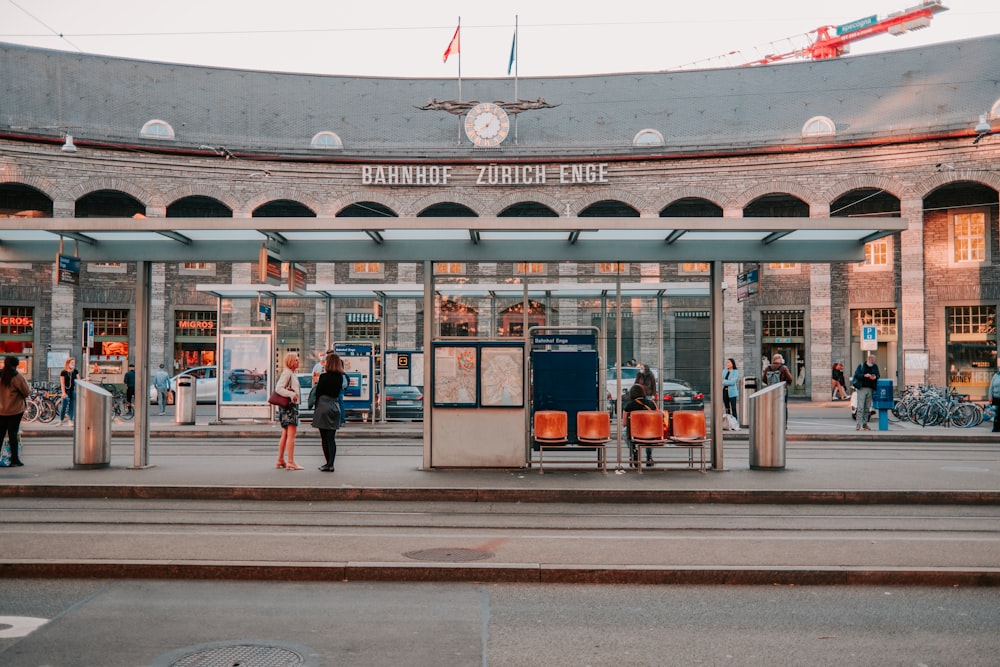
(869, 340)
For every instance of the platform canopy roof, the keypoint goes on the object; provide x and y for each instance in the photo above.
(445, 239)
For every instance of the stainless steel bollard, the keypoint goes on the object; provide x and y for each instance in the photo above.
(92, 432)
(767, 428)
(749, 387)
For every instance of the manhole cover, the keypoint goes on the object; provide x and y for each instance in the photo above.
(233, 654)
(449, 555)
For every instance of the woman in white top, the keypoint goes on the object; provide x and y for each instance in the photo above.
(288, 385)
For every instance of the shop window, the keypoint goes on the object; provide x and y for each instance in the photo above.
(878, 256)
(363, 327)
(449, 268)
(612, 268)
(786, 268)
(972, 347)
(783, 323)
(458, 319)
(106, 267)
(367, 269)
(17, 329)
(110, 332)
(197, 269)
(529, 268)
(883, 319)
(694, 268)
(968, 237)
(512, 319)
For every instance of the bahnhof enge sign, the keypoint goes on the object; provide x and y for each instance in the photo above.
(859, 192)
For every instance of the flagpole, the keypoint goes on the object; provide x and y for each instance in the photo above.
(459, 58)
(514, 56)
(458, 32)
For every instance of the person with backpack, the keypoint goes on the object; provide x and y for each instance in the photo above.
(995, 399)
(865, 379)
(777, 372)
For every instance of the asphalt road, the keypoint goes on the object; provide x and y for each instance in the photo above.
(208, 623)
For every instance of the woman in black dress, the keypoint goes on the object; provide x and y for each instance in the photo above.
(327, 413)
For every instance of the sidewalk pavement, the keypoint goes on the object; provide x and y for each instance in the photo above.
(827, 461)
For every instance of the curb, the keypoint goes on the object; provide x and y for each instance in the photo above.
(523, 573)
(590, 496)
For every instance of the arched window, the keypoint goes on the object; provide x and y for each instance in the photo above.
(645, 138)
(819, 126)
(157, 129)
(327, 141)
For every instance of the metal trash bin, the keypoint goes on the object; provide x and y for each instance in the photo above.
(749, 387)
(185, 400)
(767, 428)
(92, 433)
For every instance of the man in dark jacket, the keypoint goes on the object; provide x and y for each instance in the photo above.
(866, 375)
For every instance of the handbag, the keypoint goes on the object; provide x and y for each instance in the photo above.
(5, 453)
(279, 400)
(312, 397)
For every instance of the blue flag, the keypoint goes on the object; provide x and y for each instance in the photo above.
(513, 49)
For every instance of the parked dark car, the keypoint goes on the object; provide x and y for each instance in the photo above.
(242, 376)
(679, 395)
(403, 402)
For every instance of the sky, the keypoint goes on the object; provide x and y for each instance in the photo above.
(403, 38)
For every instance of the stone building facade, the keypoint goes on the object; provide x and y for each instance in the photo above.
(932, 292)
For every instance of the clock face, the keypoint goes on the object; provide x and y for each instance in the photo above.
(487, 125)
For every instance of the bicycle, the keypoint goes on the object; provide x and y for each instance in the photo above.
(120, 407)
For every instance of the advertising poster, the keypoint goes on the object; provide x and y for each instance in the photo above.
(244, 371)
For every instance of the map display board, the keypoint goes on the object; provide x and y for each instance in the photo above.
(502, 376)
(455, 373)
(488, 375)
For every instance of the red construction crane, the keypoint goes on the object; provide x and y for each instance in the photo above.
(830, 41)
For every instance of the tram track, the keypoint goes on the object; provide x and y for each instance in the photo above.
(522, 542)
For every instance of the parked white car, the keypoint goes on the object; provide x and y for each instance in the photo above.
(628, 379)
(206, 384)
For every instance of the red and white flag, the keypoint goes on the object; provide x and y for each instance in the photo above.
(454, 46)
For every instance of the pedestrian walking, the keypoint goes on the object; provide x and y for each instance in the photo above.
(14, 392)
(161, 382)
